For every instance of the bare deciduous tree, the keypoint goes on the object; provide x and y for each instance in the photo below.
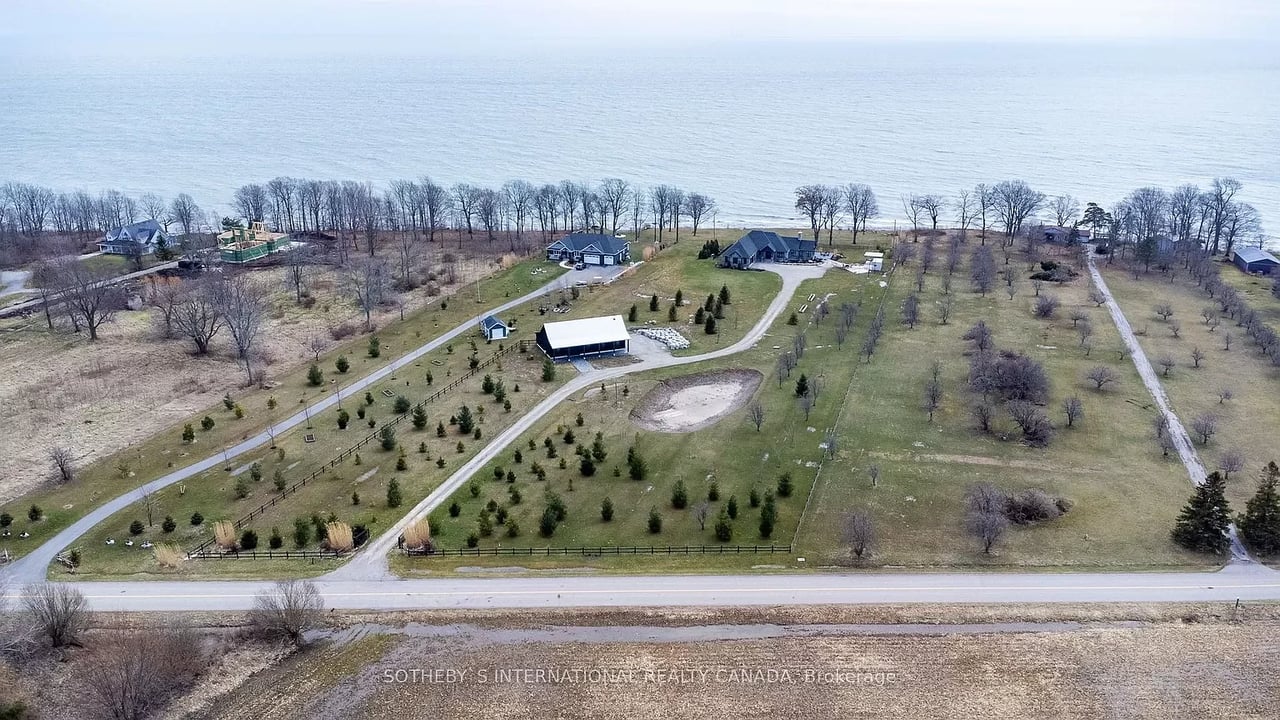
(1167, 363)
(858, 532)
(57, 611)
(242, 301)
(1101, 375)
(90, 297)
(911, 311)
(755, 413)
(983, 413)
(861, 205)
(63, 464)
(1225, 394)
(1046, 306)
(1073, 408)
(289, 609)
(1197, 356)
(198, 316)
(987, 527)
(1233, 460)
(1097, 297)
(128, 675)
(366, 280)
(1014, 202)
(1206, 426)
(873, 474)
(945, 307)
(701, 512)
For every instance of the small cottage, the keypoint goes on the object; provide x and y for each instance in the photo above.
(494, 329)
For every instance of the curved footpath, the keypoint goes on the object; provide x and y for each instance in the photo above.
(33, 566)
(364, 583)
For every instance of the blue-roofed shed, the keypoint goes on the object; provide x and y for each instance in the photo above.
(494, 329)
(1255, 260)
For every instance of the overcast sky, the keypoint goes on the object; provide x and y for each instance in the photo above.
(464, 24)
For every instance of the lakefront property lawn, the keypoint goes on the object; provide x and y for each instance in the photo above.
(663, 418)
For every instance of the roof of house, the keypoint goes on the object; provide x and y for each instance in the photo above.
(586, 331)
(1252, 255)
(756, 240)
(593, 242)
(140, 232)
(491, 322)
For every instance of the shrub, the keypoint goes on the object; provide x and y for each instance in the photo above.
(548, 370)
(473, 540)
(169, 525)
(196, 518)
(402, 405)
(314, 375)
(455, 509)
(485, 524)
(753, 498)
(513, 529)
(477, 434)
(387, 436)
(5, 520)
(255, 472)
(344, 417)
(248, 540)
(732, 507)
(342, 364)
(355, 498)
(713, 491)
(1046, 306)
(606, 510)
(277, 477)
(1030, 506)
(206, 423)
(241, 489)
(188, 433)
(136, 527)
(361, 412)
(224, 534)
(417, 535)
(375, 347)
(339, 537)
(167, 555)
(368, 398)
(34, 513)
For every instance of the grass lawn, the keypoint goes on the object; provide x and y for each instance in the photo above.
(1250, 422)
(213, 494)
(1125, 494)
(146, 461)
(119, 264)
(787, 443)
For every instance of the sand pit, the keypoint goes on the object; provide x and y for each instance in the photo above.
(692, 402)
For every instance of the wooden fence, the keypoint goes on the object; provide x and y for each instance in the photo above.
(521, 346)
(264, 555)
(608, 550)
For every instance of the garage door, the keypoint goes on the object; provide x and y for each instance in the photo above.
(608, 259)
(591, 259)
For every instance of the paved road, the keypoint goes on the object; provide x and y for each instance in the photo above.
(34, 303)
(33, 566)
(1244, 582)
(1181, 440)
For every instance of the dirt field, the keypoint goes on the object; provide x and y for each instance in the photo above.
(692, 402)
(1057, 670)
(98, 398)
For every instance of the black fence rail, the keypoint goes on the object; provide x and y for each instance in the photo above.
(521, 346)
(607, 550)
(264, 555)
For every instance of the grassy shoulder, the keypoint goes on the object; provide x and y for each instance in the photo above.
(127, 469)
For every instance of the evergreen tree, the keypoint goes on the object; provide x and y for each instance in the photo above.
(724, 530)
(419, 417)
(679, 298)
(671, 314)
(679, 495)
(1260, 524)
(388, 437)
(724, 294)
(1202, 525)
(802, 386)
(653, 303)
(606, 510)
(466, 423)
(394, 498)
(655, 521)
(314, 375)
(710, 326)
(633, 314)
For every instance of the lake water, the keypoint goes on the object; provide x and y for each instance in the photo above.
(745, 124)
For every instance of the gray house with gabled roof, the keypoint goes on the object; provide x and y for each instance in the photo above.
(590, 248)
(139, 238)
(767, 246)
